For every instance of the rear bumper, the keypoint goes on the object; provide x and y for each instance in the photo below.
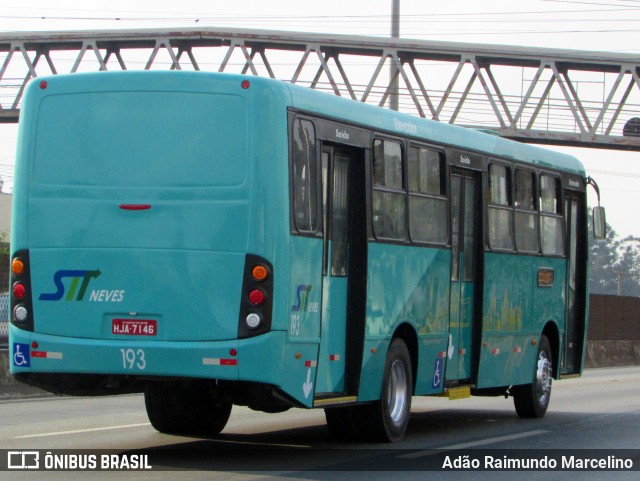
(34, 352)
(126, 365)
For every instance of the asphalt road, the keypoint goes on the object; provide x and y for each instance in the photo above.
(599, 411)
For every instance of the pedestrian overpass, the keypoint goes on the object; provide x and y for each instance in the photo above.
(536, 95)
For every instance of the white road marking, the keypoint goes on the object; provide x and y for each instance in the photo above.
(79, 431)
(270, 445)
(473, 444)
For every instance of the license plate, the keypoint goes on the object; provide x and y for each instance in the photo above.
(134, 327)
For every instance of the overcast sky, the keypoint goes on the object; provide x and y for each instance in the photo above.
(605, 25)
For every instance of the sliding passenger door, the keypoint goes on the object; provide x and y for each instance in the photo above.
(465, 252)
(344, 271)
(576, 282)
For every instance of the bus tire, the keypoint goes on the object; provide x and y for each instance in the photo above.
(532, 400)
(343, 424)
(386, 419)
(189, 408)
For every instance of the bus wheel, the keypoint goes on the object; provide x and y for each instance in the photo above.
(186, 408)
(532, 400)
(386, 420)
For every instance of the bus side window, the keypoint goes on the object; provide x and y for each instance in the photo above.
(500, 218)
(305, 172)
(427, 201)
(526, 213)
(551, 216)
(389, 199)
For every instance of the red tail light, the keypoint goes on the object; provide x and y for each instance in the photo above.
(19, 290)
(20, 299)
(257, 297)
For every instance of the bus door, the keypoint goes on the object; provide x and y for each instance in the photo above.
(576, 279)
(465, 251)
(344, 271)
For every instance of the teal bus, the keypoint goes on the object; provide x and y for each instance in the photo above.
(215, 240)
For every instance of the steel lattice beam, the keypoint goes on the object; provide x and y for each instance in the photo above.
(565, 97)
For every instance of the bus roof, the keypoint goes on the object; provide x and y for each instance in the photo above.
(440, 133)
(357, 113)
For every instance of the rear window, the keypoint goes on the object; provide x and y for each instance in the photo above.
(141, 139)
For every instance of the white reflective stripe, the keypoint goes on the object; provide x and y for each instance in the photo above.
(211, 361)
(46, 355)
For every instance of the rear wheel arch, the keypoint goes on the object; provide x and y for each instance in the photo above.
(532, 400)
(408, 334)
(552, 333)
(385, 419)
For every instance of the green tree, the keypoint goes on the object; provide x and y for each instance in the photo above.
(614, 264)
(603, 278)
(628, 269)
(4, 243)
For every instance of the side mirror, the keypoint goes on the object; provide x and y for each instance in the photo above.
(599, 223)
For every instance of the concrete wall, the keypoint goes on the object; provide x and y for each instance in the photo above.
(614, 331)
(612, 353)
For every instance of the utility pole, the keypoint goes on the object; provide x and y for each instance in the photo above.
(395, 33)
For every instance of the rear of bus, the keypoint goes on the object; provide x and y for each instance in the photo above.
(139, 251)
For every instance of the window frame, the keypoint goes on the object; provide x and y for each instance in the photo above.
(443, 196)
(394, 191)
(499, 207)
(315, 227)
(559, 215)
(532, 210)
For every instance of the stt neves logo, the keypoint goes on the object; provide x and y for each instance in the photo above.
(76, 277)
(72, 285)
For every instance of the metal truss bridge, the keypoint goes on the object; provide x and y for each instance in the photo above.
(562, 97)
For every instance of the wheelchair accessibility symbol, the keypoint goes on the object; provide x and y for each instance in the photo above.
(438, 373)
(21, 355)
